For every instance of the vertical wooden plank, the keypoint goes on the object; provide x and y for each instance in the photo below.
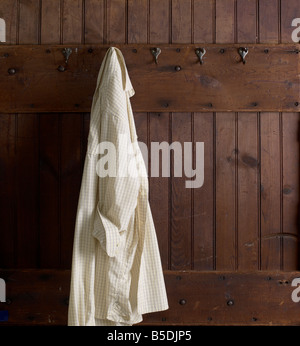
(226, 161)
(27, 176)
(116, 21)
(203, 197)
(204, 21)
(49, 189)
(181, 21)
(29, 22)
(289, 11)
(8, 11)
(268, 21)
(246, 21)
(290, 157)
(270, 191)
(94, 21)
(291, 187)
(7, 190)
(137, 21)
(50, 22)
(27, 154)
(181, 220)
(225, 21)
(159, 21)
(248, 192)
(159, 187)
(71, 171)
(72, 21)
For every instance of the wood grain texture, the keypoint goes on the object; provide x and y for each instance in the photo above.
(8, 190)
(267, 79)
(94, 25)
(245, 216)
(204, 197)
(248, 191)
(159, 17)
(9, 12)
(181, 223)
(49, 190)
(72, 30)
(226, 196)
(27, 177)
(270, 190)
(40, 298)
(51, 22)
(160, 186)
(290, 191)
(29, 22)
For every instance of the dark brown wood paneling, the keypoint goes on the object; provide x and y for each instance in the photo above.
(70, 151)
(116, 21)
(289, 11)
(270, 190)
(49, 190)
(137, 21)
(7, 190)
(268, 21)
(157, 86)
(94, 21)
(72, 30)
(245, 216)
(246, 21)
(40, 297)
(204, 197)
(225, 21)
(226, 198)
(248, 191)
(181, 214)
(51, 21)
(27, 178)
(160, 185)
(290, 190)
(204, 21)
(29, 22)
(181, 21)
(9, 12)
(159, 18)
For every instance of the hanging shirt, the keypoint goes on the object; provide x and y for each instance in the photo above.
(116, 267)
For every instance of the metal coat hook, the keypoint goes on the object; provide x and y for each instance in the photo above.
(67, 52)
(155, 52)
(200, 54)
(243, 52)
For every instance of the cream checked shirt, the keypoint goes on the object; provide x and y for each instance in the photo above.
(116, 267)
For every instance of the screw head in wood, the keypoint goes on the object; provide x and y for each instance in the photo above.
(182, 301)
(12, 71)
(61, 68)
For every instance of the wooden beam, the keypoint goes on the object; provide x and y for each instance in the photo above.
(30, 80)
(40, 297)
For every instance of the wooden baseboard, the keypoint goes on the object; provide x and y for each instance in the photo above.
(40, 297)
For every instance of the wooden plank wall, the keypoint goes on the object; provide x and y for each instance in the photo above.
(245, 217)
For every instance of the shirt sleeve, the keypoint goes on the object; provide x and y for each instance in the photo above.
(118, 183)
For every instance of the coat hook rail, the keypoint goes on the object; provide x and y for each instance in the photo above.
(243, 52)
(200, 52)
(155, 52)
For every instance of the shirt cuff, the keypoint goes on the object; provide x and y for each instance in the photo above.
(106, 233)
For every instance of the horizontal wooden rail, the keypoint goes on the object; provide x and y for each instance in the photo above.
(38, 79)
(40, 297)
